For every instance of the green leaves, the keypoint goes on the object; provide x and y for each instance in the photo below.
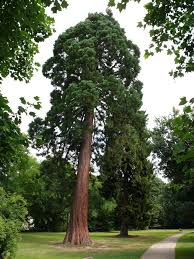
(25, 108)
(147, 54)
(21, 110)
(140, 24)
(12, 217)
(47, 189)
(37, 98)
(121, 5)
(175, 143)
(111, 3)
(33, 114)
(184, 130)
(171, 29)
(22, 99)
(187, 109)
(19, 44)
(183, 101)
(11, 138)
(192, 101)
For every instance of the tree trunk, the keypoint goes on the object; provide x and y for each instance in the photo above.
(77, 232)
(124, 229)
(124, 207)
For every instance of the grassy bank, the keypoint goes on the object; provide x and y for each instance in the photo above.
(185, 247)
(105, 245)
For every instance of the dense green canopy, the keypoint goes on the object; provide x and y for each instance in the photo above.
(173, 140)
(173, 143)
(12, 217)
(92, 65)
(23, 25)
(11, 140)
(125, 170)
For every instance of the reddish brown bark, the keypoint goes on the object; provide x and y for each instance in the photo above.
(77, 232)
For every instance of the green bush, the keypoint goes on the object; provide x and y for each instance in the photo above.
(12, 216)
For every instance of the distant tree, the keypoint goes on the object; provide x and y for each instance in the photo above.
(184, 132)
(171, 30)
(23, 25)
(13, 144)
(173, 143)
(92, 67)
(158, 188)
(178, 206)
(164, 141)
(160, 135)
(21, 172)
(173, 147)
(47, 189)
(102, 211)
(49, 203)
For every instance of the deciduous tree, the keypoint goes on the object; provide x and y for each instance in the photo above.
(171, 30)
(23, 25)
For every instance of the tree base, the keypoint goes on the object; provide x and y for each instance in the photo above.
(123, 235)
(77, 239)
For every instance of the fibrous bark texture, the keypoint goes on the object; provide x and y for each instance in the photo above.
(77, 232)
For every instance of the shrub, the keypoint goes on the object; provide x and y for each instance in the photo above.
(12, 216)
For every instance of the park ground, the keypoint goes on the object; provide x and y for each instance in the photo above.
(185, 247)
(105, 245)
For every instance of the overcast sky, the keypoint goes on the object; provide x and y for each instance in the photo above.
(161, 92)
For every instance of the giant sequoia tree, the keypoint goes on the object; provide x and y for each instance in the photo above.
(92, 68)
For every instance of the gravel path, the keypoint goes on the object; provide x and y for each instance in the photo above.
(164, 249)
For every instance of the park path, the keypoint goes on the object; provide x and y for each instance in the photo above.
(164, 249)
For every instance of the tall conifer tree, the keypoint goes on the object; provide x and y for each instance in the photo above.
(92, 68)
(125, 170)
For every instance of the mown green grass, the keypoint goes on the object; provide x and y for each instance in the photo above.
(105, 245)
(185, 247)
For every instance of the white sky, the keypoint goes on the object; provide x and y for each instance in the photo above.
(161, 92)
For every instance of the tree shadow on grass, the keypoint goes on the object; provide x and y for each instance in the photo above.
(116, 236)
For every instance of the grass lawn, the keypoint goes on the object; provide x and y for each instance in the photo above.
(185, 247)
(105, 245)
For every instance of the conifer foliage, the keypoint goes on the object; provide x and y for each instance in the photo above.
(125, 169)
